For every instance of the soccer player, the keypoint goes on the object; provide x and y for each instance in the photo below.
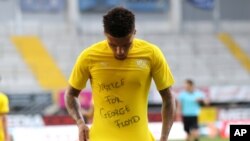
(4, 109)
(120, 69)
(190, 102)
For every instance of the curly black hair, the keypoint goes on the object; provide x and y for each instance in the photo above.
(119, 22)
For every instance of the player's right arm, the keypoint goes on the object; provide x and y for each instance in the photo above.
(74, 109)
(77, 81)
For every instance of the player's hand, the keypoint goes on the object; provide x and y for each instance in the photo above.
(163, 138)
(83, 131)
(7, 138)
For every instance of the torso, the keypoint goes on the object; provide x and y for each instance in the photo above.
(120, 91)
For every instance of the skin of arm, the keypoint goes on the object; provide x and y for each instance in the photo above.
(4, 123)
(168, 112)
(74, 109)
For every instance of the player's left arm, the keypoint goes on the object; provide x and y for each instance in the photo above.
(168, 112)
(163, 78)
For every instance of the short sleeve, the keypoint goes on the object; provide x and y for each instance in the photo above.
(4, 104)
(200, 95)
(80, 72)
(160, 70)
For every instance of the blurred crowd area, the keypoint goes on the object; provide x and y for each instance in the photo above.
(206, 41)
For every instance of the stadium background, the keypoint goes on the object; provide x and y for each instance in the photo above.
(205, 40)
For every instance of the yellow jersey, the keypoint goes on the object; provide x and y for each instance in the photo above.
(120, 88)
(4, 108)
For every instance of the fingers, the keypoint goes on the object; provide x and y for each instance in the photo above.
(87, 134)
(81, 136)
(84, 134)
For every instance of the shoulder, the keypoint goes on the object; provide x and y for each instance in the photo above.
(3, 97)
(98, 46)
(148, 48)
(146, 45)
(92, 49)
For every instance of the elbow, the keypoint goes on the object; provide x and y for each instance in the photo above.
(169, 108)
(168, 101)
(4, 118)
(70, 93)
(67, 98)
(66, 93)
(170, 104)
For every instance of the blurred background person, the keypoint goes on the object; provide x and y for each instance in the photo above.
(190, 102)
(4, 109)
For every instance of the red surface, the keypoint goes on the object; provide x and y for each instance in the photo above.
(58, 120)
(67, 120)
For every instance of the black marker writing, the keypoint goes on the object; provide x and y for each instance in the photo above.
(110, 86)
(113, 99)
(127, 122)
(114, 113)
